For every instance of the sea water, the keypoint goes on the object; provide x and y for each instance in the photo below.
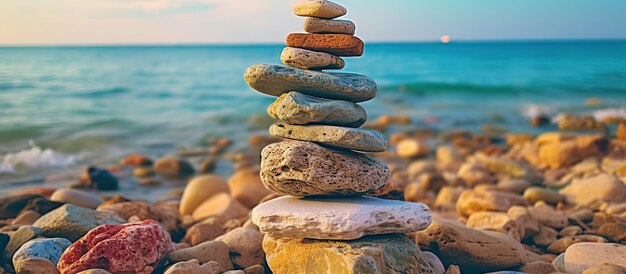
(69, 106)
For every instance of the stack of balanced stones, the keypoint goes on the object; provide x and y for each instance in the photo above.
(323, 224)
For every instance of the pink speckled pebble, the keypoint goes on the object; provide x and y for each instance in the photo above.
(126, 248)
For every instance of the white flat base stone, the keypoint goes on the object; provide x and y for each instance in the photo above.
(338, 218)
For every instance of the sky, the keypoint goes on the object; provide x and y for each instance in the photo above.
(69, 22)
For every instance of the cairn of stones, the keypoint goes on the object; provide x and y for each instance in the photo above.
(324, 223)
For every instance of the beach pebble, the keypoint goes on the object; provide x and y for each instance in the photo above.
(615, 232)
(537, 267)
(472, 201)
(453, 269)
(319, 8)
(36, 266)
(254, 269)
(335, 44)
(27, 217)
(142, 172)
(434, 262)
(308, 59)
(535, 194)
(571, 231)
(194, 267)
(549, 216)
(12, 204)
(507, 167)
(526, 224)
(341, 137)
(137, 160)
(205, 252)
(76, 197)
(199, 189)
(545, 237)
(206, 230)
(221, 204)
(605, 268)
(297, 109)
(207, 166)
(72, 222)
(304, 169)
(172, 167)
(473, 250)
(342, 218)
(106, 247)
(246, 187)
(495, 221)
(245, 246)
(412, 148)
(582, 256)
(601, 187)
(448, 157)
(573, 122)
(473, 174)
(564, 152)
(447, 196)
(621, 131)
(561, 245)
(101, 179)
(50, 249)
(18, 238)
(391, 253)
(318, 25)
(167, 216)
(275, 80)
(513, 185)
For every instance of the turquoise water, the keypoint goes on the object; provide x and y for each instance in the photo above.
(94, 104)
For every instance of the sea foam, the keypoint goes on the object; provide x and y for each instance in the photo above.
(602, 114)
(35, 157)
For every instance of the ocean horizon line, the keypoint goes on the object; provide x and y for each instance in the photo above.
(252, 44)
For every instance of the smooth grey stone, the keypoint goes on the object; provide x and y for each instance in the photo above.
(73, 222)
(308, 59)
(45, 248)
(275, 80)
(341, 137)
(317, 25)
(299, 109)
(559, 263)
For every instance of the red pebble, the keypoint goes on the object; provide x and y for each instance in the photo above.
(126, 248)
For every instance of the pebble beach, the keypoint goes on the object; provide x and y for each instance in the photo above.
(328, 182)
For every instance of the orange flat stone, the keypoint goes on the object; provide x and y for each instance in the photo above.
(336, 44)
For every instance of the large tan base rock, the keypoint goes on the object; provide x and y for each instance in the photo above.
(393, 253)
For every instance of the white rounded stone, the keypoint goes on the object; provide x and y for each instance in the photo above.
(339, 218)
